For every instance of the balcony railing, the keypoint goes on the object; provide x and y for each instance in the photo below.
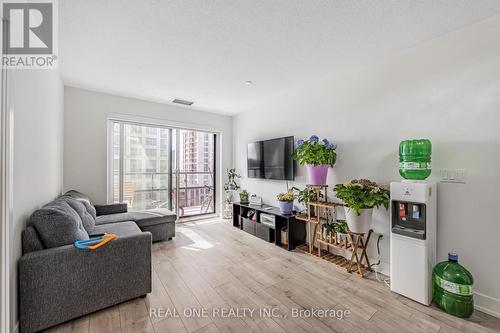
(146, 190)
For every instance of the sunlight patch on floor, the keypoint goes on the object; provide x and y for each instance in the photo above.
(198, 242)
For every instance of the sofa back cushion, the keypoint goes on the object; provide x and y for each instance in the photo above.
(85, 200)
(78, 206)
(31, 241)
(58, 224)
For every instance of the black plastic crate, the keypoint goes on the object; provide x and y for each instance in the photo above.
(264, 232)
(248, 225)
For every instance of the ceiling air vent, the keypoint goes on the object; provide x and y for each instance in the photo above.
(182, 101)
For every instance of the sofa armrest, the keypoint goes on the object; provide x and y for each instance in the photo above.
(110, 209)
(59, 284)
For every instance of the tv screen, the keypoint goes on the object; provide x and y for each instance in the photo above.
(271, 159)
(254, 161)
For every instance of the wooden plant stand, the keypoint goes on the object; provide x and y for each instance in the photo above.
(351, 243)
(360, 243)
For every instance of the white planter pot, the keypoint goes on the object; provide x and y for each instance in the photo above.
(361, 223)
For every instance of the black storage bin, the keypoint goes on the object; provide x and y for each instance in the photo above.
(264, 232)
(248, 225)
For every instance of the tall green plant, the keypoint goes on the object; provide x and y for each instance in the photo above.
(362, 193)
(315, 152)
(231, 184)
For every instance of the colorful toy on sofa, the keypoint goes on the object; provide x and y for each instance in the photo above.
(95, 242)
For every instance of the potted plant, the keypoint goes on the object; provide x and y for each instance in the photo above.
(285, 201)
(317, 156)
(330, 232)
(306, 195)
(341, 228)
(244, 196)
(230, 186)
(360, 197)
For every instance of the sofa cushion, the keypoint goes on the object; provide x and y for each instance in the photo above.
(115, 208)
(84, 199)
(30, 240)
(58, 224)
(143, 218)
(79, 207)
(120, 229)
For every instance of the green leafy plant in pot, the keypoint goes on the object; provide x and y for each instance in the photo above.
(317, 156)
(360, 197)
(230, 185)
(244, 196)
(340, 228)
(285, 201)
(306, 195)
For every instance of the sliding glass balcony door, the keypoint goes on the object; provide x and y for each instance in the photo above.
(196, 173)
(160, 167)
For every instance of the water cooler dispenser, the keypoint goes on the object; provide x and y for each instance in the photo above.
(413, 238)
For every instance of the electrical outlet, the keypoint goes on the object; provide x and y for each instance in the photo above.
(453, 175)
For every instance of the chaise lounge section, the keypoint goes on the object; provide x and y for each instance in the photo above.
(159, 221)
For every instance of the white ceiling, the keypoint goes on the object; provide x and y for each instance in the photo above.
(205, 50)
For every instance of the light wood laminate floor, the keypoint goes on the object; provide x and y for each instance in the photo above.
(214, 266)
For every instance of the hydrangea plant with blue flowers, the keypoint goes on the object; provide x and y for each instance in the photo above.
(315, 152)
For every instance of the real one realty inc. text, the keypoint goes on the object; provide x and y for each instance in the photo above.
(247, 312)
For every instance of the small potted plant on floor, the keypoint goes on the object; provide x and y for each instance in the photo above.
(317, 156)
(285, 201)
(360, 197)
(244, 196)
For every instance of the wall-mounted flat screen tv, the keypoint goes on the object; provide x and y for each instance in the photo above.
(271, 159)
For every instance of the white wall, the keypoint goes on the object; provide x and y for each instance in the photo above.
(86, 134)
(447, 90)
(36, 98)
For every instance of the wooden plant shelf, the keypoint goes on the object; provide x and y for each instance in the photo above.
(353, 243)
(324, 204)
(332, 258)
(306, 218)
(357, 264)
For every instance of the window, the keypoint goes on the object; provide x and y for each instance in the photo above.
(134, 140)
(151, 141)
(151, 153)
(135, 165)
(151, 167)
(134, 152)
(139, 182)
(163, 166)
(142, 159)
(135, 130)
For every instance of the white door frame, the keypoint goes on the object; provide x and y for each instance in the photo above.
(6, 167)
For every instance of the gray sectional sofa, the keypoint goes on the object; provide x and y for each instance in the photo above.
(58, 282)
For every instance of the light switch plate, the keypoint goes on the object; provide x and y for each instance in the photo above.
(453, 175)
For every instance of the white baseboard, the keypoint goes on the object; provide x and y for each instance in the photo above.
(487, 304)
